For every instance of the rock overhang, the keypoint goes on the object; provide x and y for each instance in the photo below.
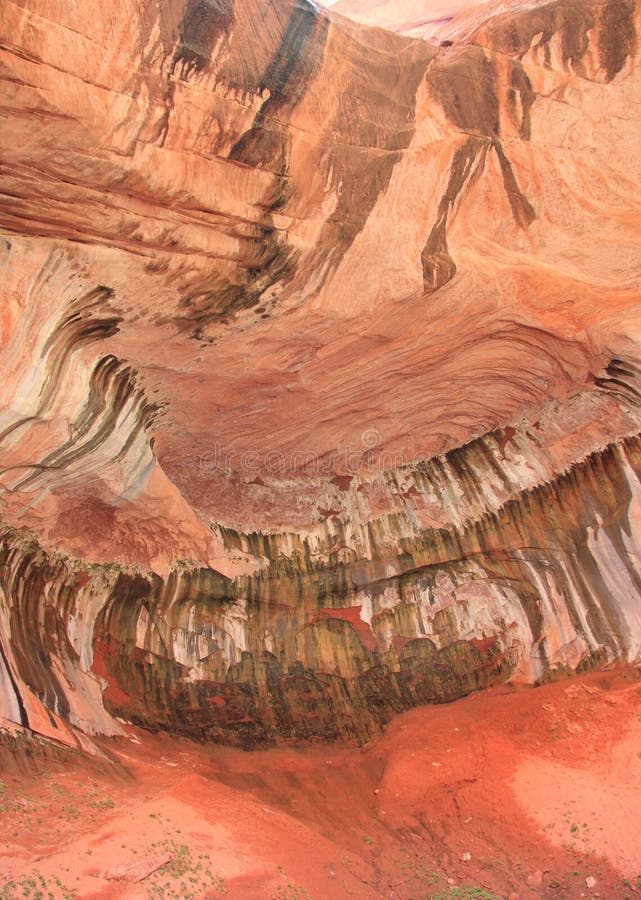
(321, 313)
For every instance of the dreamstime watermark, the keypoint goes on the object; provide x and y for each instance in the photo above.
(349, 460)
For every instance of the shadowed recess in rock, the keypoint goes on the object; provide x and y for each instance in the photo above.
(320, 649)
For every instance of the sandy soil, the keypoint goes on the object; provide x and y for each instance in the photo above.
(514, 792)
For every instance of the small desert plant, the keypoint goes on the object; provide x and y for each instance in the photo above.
(37, 887)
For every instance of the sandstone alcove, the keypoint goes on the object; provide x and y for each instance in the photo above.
(320, 393)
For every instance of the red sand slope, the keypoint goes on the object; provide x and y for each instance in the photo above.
(517, 792)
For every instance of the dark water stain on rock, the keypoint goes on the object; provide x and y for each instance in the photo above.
(286, 77)
(438, 265)
(314, 648)
(36, 631)
(266, 145)
(612, 22)
(374, 121)
(203, 23)
(463, 81)
(514, 32)
(298, 54)
(520, 84)
(617, 35)
(522, 209)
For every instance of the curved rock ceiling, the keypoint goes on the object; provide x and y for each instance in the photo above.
(320, 360)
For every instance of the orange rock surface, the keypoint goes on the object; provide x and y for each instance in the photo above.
(320, 359)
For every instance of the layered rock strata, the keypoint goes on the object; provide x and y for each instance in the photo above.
(320, 356)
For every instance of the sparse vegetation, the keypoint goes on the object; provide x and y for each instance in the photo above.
(36, 886)
(186, 876)
(420, 871)
(51, 801)
(291, 892)
(465, 892)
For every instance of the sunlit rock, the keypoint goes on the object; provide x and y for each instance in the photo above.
(320, 360)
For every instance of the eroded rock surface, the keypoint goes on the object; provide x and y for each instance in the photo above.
(320, 355)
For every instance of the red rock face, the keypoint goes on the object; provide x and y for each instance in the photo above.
(320, 390)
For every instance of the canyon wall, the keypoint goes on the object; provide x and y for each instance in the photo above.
(320, 389)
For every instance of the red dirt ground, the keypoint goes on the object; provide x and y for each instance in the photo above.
(528, 792)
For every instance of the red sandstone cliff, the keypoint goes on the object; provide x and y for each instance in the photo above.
(320, 357)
